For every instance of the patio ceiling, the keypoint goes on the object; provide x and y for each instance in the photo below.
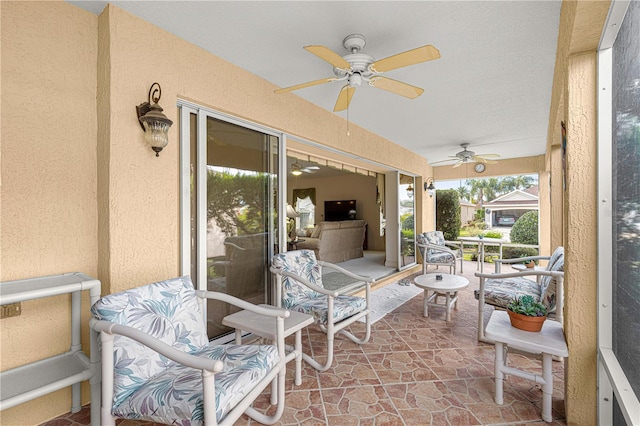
(490, 88)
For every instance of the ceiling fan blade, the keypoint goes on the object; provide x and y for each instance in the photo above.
(397, 87)
(404, 59)
(328, 55)
(483, 160)
(488, 155)
(458, 164)
(303, 85)
(344, 98)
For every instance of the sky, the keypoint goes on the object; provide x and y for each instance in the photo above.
(455, 184)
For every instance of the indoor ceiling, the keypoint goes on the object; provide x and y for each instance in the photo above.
(490, 88)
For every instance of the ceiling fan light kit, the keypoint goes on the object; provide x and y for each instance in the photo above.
(357, 67)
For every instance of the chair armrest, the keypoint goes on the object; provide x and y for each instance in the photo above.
(484, 275)
(499, 262)
(305, 282)
(437, 247)
(158, 346)
(522, 259)
(456, 244)
(267, 311)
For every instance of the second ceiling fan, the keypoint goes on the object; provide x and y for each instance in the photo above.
(466, 156)
(357, 67)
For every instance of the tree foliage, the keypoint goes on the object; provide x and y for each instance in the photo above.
(448, 213)
(525, 230)
(236, 202)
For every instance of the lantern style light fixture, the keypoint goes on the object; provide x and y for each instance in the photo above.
(154, 123)
(428, 186)
(410, 191)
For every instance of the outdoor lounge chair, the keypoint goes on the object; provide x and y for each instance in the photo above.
(299, 288)
(436, 251)
(158, 364)
(499, 289)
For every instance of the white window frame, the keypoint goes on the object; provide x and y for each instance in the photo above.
(611, 377)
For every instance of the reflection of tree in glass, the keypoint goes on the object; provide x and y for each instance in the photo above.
(236, 201)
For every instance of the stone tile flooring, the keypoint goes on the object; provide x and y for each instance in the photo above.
(413, 371)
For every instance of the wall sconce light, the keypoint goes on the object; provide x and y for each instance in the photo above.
(428, 186)
(154, 123)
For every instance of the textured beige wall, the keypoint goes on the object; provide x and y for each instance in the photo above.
(573, 225)
(49, 218)
(505, 167)
(581, 220)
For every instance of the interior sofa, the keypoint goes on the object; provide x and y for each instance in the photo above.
(336, 241)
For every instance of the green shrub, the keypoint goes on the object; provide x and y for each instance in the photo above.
(493, 234)
(407, 221)
(448, 213)
(525, 230)
(516, 252)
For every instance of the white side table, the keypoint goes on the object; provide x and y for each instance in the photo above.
(447, 286)
(266, 328)
(549, 341)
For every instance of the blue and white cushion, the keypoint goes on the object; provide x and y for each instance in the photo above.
(176, 393)
(298, 297)
(148, 386)
(302, 263)
(167, 310)
(501, 291)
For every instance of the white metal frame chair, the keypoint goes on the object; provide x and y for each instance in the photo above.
(299, 288)
(158, 364)
(499, 289)
(435, 250)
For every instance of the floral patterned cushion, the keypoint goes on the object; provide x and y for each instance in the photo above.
(167, 310)
(304, 264)
(501, 291)
(440, 257)
(343, 307)
(435, 237)
(176, 392)
(548, 285)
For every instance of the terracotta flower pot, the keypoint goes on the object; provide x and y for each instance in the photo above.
(526, 323)
(531, 264)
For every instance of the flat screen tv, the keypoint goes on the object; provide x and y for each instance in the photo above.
(339, 210)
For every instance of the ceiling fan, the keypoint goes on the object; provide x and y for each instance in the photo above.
(356, 67)
(466, 156)
(297, 169)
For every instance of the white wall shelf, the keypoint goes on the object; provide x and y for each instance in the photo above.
(57, 372)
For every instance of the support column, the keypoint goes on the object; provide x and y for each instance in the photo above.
(580, 212)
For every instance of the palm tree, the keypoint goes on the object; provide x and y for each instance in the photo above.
(463, 192)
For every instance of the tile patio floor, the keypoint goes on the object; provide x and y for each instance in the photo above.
(413, 371)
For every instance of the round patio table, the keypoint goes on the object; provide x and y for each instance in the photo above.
(446, 287)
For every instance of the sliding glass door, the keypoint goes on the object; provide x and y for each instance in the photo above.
(230, 185)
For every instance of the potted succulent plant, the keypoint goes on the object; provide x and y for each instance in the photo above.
(527, 314)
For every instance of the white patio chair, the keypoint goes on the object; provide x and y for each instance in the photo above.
(299, 288)
(436, 251)
(499, 289)
(158, 364)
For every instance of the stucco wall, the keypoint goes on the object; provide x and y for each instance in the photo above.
(504, 167)
(141, 190)
(580, 248)
(49, 218)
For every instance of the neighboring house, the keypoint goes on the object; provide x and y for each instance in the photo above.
(467, 212)
(511, 206)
